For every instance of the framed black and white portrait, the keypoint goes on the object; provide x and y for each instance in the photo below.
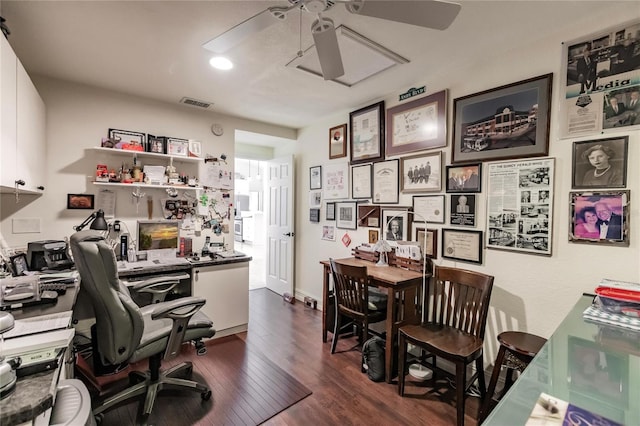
(600, 163)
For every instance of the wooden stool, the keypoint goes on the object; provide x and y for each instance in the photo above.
(517, 349)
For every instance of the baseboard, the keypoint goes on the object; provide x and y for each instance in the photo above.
(229, 331)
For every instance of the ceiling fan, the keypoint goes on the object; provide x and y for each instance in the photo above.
(434, 14)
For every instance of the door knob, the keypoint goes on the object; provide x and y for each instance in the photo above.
(289, 234)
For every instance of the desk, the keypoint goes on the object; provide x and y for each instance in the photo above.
(402, 289)
(34, 394)
(592, 366)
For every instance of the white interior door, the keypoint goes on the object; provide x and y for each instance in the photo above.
(280, 225)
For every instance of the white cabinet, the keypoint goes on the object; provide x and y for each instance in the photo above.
(23, 121)
(226, 289)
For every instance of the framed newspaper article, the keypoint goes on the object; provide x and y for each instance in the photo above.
(520, 205)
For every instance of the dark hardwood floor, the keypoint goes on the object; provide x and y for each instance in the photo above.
(290, 336)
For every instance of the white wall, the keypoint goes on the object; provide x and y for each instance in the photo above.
(531, 293)
(77, 118)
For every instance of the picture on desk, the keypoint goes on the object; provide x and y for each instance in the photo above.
(598, 373)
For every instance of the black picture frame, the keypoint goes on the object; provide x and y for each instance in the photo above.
(315, 177)
(464, 178)
(314, 215)
(612, 151)
(462, 245)
(366, 134)
(510, 121)
(80, 201)
(331, 211)
(462, 210)
(19, 264)
(128, 140)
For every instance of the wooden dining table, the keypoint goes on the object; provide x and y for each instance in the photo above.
(403, 288)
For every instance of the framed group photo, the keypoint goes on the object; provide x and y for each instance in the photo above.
(421, 173)
(417, 125)
(510, 121)
(600, 163)
(367, 133)
(338, 141)
(599, 217)
(466, 178)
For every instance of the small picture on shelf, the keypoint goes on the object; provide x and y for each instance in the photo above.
(178, 147)
(157, 144)
(126, 140)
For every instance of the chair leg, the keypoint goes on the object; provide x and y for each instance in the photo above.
(481, 379)
(486, 403)
(336, 329)
(461, 382)
(402, 355)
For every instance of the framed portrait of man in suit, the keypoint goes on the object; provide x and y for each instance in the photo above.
(466, 178)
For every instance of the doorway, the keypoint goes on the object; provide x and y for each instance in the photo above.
(249, 221)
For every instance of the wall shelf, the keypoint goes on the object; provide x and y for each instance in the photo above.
(142, 154)
(146, 185)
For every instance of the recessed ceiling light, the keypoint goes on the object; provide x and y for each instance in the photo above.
(220, 63)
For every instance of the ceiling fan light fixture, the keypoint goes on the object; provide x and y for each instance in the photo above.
(221, 63)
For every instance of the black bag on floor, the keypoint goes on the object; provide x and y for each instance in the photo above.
(373, 358)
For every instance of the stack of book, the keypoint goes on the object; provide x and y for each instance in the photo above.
(617, 304)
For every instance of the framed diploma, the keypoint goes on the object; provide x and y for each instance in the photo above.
(385, 182)
(428, 208)
(417, 125)
(367, 133)
(427, 240)
(361, 181)
(463, 245)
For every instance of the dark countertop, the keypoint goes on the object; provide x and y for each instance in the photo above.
(32, 396)
(202, 262)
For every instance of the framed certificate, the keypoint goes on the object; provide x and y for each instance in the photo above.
(463, 245)
(361, 181)
(367, 133)
(385, 182)
(428, 208)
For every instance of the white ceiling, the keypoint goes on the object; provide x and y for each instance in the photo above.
(154, 49)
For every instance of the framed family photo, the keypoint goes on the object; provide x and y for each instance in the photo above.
(510, 121)
(346, 215)
(421, 173)
(463, 245)
(600, 163)
(464, 178)
(338, 141)
(367, 133)
(599, 217)
(396, 224)
(417, 125)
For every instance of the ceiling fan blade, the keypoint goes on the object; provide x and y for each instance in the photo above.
(326, 42)
(240, 32)
(425, 13)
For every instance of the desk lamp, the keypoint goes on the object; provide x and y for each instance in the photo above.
(383, 247)
(97, 222)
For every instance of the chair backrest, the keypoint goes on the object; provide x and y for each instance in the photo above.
(351, 287)
(119, 323)
(459, 298)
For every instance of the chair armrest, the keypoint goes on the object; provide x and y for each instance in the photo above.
(185, 307)
(157, 286)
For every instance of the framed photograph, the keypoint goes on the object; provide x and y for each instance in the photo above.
(195, 148)
(338, 141)
(600, 163)
(462, 210)
(315, 199)
(346, 215)
(466, 178)
(315, 177)
(335, 181)
(19, 264)
(417, 125)
(373, 236)
(421, 173)
(328, 232)
(127, 140)
(428, 208)
(509, 121)
(462, 245)
(420, 234)
(367, 134)
(361, 181)
(177, 147)
(599, 89)
(396, 224)
(599, 217)
(369, 216)
(331, 211)
(520, 205)
(314, 215)
(385, 182)
(80, 201)
(156, 144)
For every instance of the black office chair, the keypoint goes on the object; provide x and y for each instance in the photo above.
(125, 333)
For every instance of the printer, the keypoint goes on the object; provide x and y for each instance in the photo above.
(48, 254)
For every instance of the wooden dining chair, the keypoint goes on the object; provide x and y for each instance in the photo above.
(354, 301)
(456, 307)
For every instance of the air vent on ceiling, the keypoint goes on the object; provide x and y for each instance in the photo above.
(196, 103)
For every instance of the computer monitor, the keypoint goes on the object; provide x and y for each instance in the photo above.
(158, 239)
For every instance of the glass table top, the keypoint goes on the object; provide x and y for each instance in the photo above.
(593, 366)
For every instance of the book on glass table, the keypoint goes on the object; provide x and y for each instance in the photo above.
(597, 315)
(551, 411)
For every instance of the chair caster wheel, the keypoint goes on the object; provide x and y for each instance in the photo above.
(188, 372)
(206, 395)
(99, 418)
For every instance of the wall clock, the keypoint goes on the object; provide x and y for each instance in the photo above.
(217, 129)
